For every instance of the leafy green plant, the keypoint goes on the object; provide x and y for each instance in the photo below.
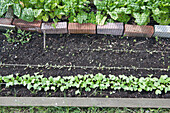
(5, 4)
(100, 18)
(89, 82)
(80, 10)
(27, 14)
(162, 15)
(77, 11)
(141, 10)
(115, 9)
(21, 36)
(8, 35)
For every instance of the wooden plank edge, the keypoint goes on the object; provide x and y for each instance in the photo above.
(86, 102)
(5, 27)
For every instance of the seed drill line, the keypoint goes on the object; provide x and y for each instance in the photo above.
(84, 67)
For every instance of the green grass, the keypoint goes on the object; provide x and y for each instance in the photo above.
(79, 110)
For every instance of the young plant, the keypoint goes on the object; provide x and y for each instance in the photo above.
(89, 82)
(21, 37)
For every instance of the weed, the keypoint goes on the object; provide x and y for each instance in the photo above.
(156, 38)
(21, 37)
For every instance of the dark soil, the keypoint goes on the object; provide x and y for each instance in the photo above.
(69, 50)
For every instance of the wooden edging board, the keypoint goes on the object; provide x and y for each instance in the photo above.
(86, 102)
(5, 27)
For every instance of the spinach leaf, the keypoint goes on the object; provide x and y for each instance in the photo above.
(27, 15)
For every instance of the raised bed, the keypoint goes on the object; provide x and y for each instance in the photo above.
(71, 55)
(74, 49)
(146, 57)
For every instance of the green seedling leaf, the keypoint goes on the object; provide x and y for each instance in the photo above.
(62, 88)
(46, 88)
(39, 88)
(87, 89)
(112, 77)
(77, 92)
(9, 84)
(53, 88)
(157, 92)
(16, 82)
(29, 86)
(35, 86)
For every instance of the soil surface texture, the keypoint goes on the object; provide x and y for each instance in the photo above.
(85, 50)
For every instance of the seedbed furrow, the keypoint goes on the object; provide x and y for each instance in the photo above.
(90, 58)
(75, 71)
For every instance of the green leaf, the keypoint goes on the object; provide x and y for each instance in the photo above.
(54, 5)
(112, 77)
(166, 89)
(122, 10)
(156, 11)
(45, 17)
(3, 9)
(87, 89)
(39, 88)
(33, 2)
(113, 15)
(29, 86)
(142, 19)
(46, 88)
(62, 88)
(91, 18)
(157, 92)
(77, 92)
(37, 12)
(17, 10)
(16, 82)
(41, 1)
(51, 14)
(27, 15)
(35, 86)
(81, 17)
(94, 86)
(100, 19)
(55, 20)
(9, 84)
(53, 88)
(162, 19)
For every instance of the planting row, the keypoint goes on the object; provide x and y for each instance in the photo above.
(117, 29)
(88, 82)
(81, 11)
